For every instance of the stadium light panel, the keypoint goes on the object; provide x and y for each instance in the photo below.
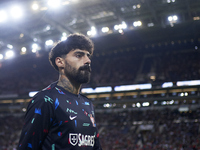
(133, 105)
(134, 6)
(116, 27)
(120, 31)
(35, 6)
(150, 24)
(137, 23)
(124, 25)
(138, 105)
(171, 102)
(138, 5)
(145, 104)
(163, 103)
(92, 32)
(34, 50)
(9, 46)
(34, 46)
(64, 36)
(3, 16)
(31, 94)
(16, 12)
(35, 39)
(97, 90)
(188, 83)
(1, 56)
(24, 109)
(9, 54)
(105, 29)
(49, 42)
(23, 50)
(48, 28)
(167, 84)
(121, 26)
(175, 18)
(54, 3)
(133, 87)
(172, 18)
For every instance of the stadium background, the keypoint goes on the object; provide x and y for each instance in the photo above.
(139, 46)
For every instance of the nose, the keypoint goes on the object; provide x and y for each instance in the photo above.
(87, 60)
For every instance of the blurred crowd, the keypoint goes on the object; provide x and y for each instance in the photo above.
(30, 73)
(129, 130)
(146, 130)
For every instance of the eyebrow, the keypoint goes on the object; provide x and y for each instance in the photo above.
(82, 53)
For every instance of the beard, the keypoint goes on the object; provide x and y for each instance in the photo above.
(80, 75)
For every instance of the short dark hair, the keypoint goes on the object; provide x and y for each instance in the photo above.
(73, 41)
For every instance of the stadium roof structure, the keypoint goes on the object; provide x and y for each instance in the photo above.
(47, 21)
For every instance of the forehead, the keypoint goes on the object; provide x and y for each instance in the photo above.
(80, 51)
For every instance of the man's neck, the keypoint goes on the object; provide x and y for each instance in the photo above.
(68, 85)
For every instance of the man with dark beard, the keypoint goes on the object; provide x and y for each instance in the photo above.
(59, 117)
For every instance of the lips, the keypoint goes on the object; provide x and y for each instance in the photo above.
(86, 68)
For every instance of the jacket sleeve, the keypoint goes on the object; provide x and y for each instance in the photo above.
(38, 118)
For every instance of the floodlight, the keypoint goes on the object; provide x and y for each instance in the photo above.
(63, 38)
(124, 106)
(116, 27)
(137, 23)
(3, 16)
(145, 104)
(151, 24)
(138, 105)
(23, 49)
(89, 33)
(35, 6)
(134, 6)
(64, 34)
(175, 18)
(54, 3)
(123, 25)
(34, 50)
(34, 46)
(92, 32)
(1, 56)
(9, 54)
(49, 42)
(16, 12)
(120, 31)
(138, 5)
(155, 102)
(48, 28)
(9, 46)
(105, 29)
(170, 18)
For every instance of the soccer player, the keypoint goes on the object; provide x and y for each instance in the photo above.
(59, 117)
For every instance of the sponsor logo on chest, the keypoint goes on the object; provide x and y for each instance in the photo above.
(81, 140)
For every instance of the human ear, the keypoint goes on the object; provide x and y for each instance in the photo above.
(59, 62)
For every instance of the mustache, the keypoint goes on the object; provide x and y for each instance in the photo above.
(86, 67)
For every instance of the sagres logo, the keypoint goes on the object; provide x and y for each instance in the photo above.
(73, 138)
(81, 140)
